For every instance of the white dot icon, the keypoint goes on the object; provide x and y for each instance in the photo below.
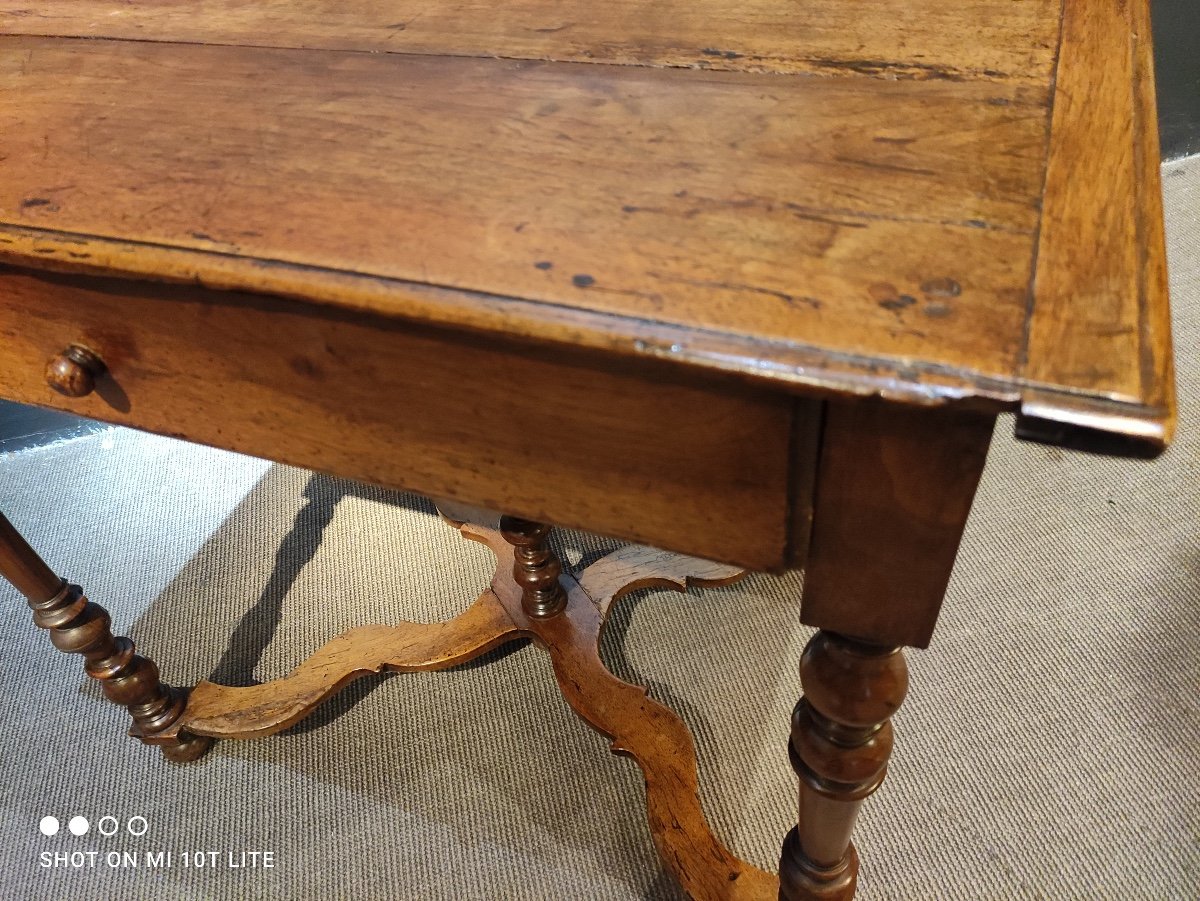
(78, 825)
(48, 826)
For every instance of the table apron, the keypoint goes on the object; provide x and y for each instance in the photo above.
(710, 467)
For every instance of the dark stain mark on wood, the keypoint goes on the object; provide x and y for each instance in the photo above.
(896, 304)
(723, 54)
(885, 167)
(397, 26)
(813, 303)
(201, 236)
(305, 367)
(543, 265)
(520, 227)
(886, 295)
(1120, 331)
(976, 223)
(583, 280)
(941, 287)
(937, 310)
(896, 69)
(31, 202)
(813, 217)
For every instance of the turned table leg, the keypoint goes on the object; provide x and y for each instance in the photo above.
(840, 744)
(536, 569)
(894, 487)
(79, 626)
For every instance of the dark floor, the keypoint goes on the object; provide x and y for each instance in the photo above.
(22, 427)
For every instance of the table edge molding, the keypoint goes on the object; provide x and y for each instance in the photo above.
(1100, 280)
(1107, 422)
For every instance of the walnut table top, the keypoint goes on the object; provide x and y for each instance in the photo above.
(904, 197)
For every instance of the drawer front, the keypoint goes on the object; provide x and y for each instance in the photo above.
(711, 468)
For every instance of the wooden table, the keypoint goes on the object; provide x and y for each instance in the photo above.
(750, 282)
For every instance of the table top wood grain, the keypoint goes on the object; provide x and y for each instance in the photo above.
(924, 201)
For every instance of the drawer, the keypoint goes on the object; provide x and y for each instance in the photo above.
(645, 452)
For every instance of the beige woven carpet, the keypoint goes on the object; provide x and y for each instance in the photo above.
(1050, 747)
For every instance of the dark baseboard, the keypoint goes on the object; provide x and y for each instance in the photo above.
(23, 427)
(1177, 70)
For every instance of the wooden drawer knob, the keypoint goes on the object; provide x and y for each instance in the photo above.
(73, 372)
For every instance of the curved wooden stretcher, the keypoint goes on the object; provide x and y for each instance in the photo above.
(570, 631)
